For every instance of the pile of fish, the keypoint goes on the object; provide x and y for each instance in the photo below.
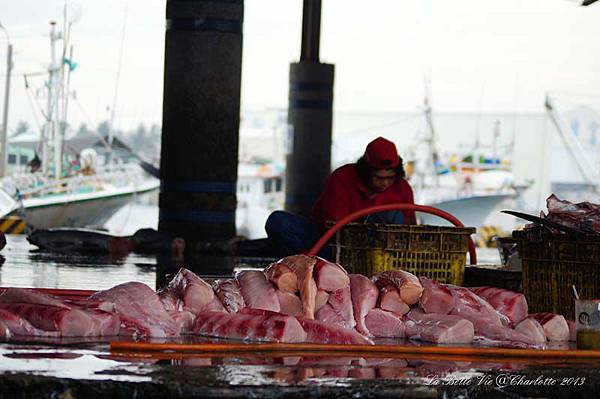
(297, 299)
(582, 216)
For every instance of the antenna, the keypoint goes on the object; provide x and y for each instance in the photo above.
(114, 105)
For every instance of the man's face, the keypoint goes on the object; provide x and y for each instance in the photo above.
(381, 179)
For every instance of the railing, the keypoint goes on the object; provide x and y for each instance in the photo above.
(34, 185)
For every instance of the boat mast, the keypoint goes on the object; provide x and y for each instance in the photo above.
(51, 102)
(431, 138)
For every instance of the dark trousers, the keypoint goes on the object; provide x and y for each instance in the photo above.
(292, 234)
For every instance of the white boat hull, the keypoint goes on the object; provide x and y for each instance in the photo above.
(471, 211)
(78, 210)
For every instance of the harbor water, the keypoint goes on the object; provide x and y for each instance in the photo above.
(26, 266)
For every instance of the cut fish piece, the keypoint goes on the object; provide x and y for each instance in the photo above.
(103, 323)
(408, 284)
(341, 303)
(381, 323)
(555, 326)
(17, 325)
(511, 304)
(67, 322)
(441, 329)
(320, 299)
(389, 299)
(364, 298)
(289, 303)
(436, 297)
(327, 315)
(322, 333)
(284, 278)
(472, 307)
(532, 329)
(229, 294)
(140, 310)
(257, 291)
(184, 319)
(4, 332)
(26, 295)
(319, 332)
(330, 276)
(272, 327)
(188, 291)
(303, 266)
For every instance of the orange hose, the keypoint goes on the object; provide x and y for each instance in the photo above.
(392, 207)
(345, 349)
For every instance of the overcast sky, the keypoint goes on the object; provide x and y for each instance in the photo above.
(482, 55)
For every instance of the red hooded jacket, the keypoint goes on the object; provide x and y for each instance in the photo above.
(346, 193)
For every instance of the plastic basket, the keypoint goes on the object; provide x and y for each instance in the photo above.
(432, 251)
(552, 264)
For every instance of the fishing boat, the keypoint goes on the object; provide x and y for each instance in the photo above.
(62, 189)
(469, 185)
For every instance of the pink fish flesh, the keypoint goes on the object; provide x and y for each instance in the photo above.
(257, 291)
(320, 299)
(474, 308)
(284, 278)
(289, 303)
(364, 298)
(408, 284)
(304, 266)
(436, 297)
(341, 303)
(531, 328)
(230, 294)
(555, 326)
(511, 304)
(330, 276)
(273, 327)
(67, 322)
(17, 325)
(389, 299)
(441, 329)
(381, 323)
(188, 291)
(140, 310)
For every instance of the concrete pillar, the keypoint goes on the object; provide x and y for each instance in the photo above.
(201, 115)
(310, 113)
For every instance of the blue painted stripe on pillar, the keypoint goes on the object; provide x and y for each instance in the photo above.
(197, 186)
(300, 199)
(310, 104)
(197, 216)
(204, 25)
(301, 86)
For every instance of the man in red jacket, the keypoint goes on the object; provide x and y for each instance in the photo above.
(377, 178)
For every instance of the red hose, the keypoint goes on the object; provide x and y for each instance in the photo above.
(391, 207)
